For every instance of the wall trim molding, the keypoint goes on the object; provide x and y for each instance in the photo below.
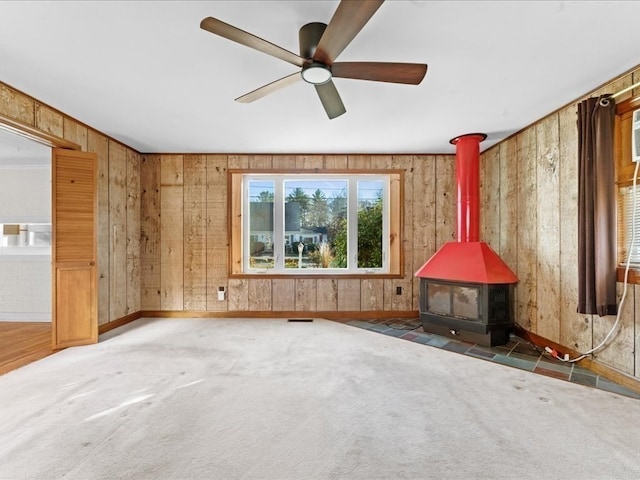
(624, 379)
(345, 316)
(106, 327)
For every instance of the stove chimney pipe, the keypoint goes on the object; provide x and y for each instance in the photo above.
(468, 259)
(468, 185)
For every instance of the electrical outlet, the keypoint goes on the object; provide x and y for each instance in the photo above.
(398, 290)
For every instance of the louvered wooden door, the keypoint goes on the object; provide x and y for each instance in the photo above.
(74, 251)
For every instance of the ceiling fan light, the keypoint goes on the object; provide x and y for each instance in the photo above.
(316, 73)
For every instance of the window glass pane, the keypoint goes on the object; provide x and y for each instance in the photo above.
(338, 228)
(261, 233)
(629, 221)
(315, 217)
(370, 224)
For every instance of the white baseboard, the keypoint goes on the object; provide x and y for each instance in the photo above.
(25, 317)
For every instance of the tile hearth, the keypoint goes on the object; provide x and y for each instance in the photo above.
(517, 353)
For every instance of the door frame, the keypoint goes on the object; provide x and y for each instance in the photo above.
(50, 140)
(27, 131)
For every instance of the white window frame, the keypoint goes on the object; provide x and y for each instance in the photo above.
(352, 180)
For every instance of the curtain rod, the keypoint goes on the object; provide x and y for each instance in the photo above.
(625, 90)
(604, 101)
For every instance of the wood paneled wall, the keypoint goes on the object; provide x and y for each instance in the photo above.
(118, 200)
(529, 216)
(184, 232)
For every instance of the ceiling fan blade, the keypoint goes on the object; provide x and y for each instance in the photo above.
(234, 34)
(265, 90)
(330, 99)
(410, 73)
(347, 21)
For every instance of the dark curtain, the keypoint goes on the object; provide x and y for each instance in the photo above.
(596, 208)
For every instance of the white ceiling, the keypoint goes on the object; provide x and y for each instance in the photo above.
(144, 72)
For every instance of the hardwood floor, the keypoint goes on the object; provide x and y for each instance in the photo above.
(22, 343)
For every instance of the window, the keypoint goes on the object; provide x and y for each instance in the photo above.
(315, 223)
(625, 168)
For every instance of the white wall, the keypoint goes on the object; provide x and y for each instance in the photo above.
(25, 194)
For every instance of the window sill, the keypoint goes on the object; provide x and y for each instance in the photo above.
(309, 276)
(634, 275)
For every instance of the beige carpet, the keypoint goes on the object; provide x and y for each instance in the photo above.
(267, 399)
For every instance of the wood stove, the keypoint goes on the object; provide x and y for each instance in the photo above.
(466, 290)
(477, 313)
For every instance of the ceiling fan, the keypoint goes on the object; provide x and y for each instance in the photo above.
(320, 45)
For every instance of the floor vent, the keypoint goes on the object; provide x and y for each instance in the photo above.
(300, 320)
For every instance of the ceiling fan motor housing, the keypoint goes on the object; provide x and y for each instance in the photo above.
(309, 37)
(313, 72)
